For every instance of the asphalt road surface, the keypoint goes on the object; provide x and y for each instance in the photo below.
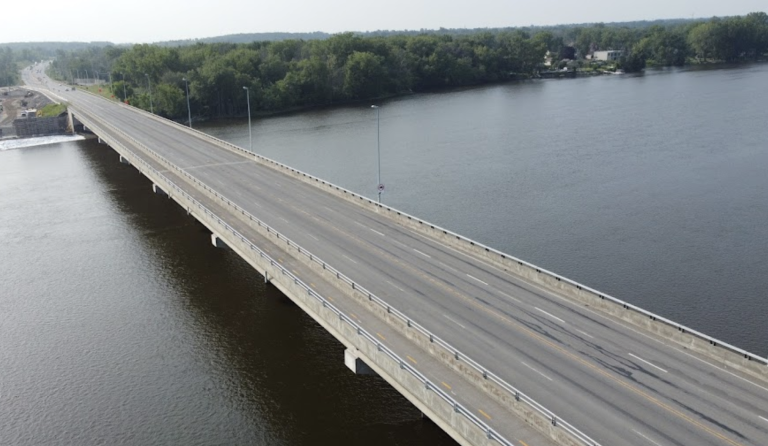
(618, 385)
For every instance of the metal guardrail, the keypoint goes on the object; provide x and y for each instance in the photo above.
(502, 255)
(518, 395)
(429, 385)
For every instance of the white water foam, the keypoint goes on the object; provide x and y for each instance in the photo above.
(10, 144)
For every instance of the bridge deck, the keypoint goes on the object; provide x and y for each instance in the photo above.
(615, 383)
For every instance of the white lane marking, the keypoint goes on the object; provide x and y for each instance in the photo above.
(256, 204)
(762, 418)
(377, 232)
(349, 258)
(314, 237)
(217, 164)
(354, 221)
(283, 219)
(475, 278)
(447, 317)
(395, 286)
(638, 433)
(448, 267)
(425, 255)
(585, 334)
(721, 369)
(509, 296)
(650, 364)
(545, 376)
(400, 243)
(441, 244)
(550, 315)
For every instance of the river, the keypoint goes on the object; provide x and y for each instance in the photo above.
(120, 324)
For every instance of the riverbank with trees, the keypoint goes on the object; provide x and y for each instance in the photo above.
(291, 74)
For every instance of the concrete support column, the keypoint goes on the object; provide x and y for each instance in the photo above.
(70, 122)
(217, 242)
(156, 189)
(354, 363)
(124, 160)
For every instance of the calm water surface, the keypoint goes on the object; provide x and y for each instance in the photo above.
(120, 324)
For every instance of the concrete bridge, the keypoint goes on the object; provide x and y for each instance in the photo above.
(491, 348)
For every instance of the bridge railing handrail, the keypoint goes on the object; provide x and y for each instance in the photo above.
(458, 355)
(429, 385)
(501, 254)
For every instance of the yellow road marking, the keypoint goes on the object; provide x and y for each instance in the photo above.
(330, 298)
(412, 360)
(484, 414)
(311, 284)
(354, 316)
(280, 260)
(523, 443)
(382, 337)
(446, 385)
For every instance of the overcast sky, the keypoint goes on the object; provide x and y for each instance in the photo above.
(144, 21)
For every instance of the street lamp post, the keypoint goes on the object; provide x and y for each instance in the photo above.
(379, 185)
(189, 110)
(149, 85)
(250, 132)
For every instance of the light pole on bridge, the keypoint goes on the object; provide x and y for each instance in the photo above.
(250, 132)
(379, 184)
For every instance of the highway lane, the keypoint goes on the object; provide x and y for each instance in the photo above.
(473, 314)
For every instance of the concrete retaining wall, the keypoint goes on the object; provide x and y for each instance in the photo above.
(29, 127)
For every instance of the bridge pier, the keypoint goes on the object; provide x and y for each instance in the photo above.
(124, 160)
(354, 363)
(156, 189)
(218, 242)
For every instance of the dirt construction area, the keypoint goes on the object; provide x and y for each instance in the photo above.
(13, 103)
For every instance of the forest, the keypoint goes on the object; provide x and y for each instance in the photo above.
(290, 74)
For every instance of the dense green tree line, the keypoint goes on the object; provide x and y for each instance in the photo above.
(295, 73)
(9, 69)
(347, 67)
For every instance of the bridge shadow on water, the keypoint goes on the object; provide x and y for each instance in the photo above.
(280, 374)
